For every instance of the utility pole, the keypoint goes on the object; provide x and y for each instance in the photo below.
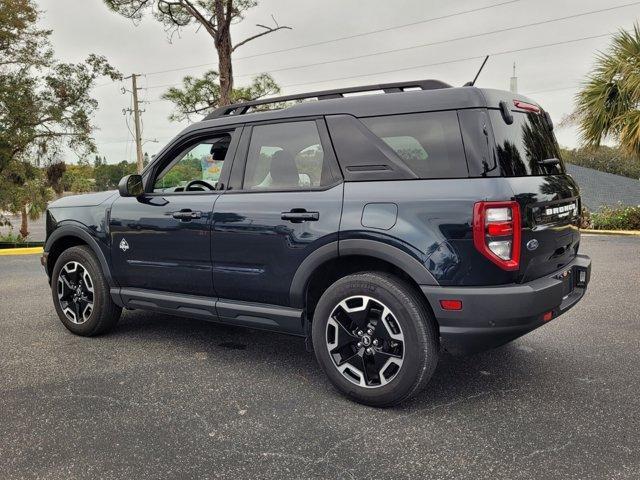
(136, 119)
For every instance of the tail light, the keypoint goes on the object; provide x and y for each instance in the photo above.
(496, 232)
(528, 107)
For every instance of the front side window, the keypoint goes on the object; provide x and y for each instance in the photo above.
(286, 156)
(197, 168)
(430, 144)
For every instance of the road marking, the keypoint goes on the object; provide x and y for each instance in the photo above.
(21, 251)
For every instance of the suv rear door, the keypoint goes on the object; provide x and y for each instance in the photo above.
(549, 199)
(283, 201)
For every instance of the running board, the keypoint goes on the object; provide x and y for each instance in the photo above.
(232, 312)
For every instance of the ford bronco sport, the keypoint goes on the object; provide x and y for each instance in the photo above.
(383, 228)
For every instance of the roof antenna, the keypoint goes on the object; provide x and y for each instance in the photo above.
(472, 83)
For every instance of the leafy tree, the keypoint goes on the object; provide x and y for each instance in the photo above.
(45, 106)
(28, 193)
(78, 178)
(54, 173)
(107, 176)
(185, 170)
(98, 160)
(199, 95)
(216, 18)
(609, 103)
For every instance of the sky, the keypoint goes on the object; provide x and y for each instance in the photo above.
(424, 49)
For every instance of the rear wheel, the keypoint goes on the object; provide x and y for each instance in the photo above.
(81, 294)
(374, 338)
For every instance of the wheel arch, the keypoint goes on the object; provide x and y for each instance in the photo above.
(333, 261)
(67, 236)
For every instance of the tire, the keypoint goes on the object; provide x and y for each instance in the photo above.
(407, 348)
(96, 313)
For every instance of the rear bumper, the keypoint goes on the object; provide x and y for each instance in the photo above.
(493, 316)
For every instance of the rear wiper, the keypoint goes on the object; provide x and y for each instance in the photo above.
(549, 161)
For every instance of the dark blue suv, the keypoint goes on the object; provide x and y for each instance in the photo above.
(383, 228)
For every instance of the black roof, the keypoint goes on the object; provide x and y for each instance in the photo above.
(440, 97)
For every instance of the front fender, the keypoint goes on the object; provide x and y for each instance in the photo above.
(79, 231)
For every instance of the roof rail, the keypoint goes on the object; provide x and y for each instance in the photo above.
(244, 107)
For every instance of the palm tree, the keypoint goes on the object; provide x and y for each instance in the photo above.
(609, 103)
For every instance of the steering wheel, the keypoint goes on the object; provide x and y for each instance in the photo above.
(200, 183)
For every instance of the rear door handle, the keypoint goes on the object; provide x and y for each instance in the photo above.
(299, 215)
(186, 214)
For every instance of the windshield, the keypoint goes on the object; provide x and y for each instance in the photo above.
(523, 146)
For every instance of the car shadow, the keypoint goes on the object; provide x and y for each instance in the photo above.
(496, 371)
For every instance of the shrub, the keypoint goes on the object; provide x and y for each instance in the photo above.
(11, 237)
(585, 218)
(617, 218)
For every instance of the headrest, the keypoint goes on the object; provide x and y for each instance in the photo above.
(284, 171)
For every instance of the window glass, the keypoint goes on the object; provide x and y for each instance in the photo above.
(430, 144)
(286, 156)
(197, 168)
(521, 146)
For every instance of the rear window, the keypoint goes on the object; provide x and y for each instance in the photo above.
(523, 145)
(430, 144)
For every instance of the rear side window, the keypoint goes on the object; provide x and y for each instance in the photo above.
(430, 144)
(286, 156)
(522, 146)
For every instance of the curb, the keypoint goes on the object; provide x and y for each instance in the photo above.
(4, 245)
(21, 251)
(631, 233)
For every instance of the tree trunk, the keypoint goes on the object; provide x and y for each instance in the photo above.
(225, 67)
(24, 226)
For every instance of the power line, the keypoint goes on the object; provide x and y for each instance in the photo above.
(440, 42)
(346, 37)
(445, 62)
(476, 57)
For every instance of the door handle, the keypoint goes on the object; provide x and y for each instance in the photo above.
(186, 215)
(299, 215)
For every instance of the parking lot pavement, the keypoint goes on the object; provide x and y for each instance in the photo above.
(177, 398)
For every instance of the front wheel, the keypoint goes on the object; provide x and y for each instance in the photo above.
(375, 339)
(81, 294)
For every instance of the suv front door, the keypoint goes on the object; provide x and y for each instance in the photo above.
(161, 240)
(284, 202)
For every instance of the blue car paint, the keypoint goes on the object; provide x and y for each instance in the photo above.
(241, 250)
(165, 253)
(256, 254)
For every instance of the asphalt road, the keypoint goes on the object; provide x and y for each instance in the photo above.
(177, 398)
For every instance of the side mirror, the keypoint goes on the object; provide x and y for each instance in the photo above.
(131, 186)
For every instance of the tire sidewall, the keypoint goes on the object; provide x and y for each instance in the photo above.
(418, 338)
(88, 261)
